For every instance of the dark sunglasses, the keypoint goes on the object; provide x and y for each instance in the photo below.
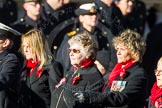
(74, 51)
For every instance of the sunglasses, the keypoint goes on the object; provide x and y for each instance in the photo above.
(74, 51)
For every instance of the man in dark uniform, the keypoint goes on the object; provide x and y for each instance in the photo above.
(9, 68)
(8, 10)
(31, 18)
(55, 12)
(110, 15)
(134, 14)
(125, 7)
(87, 14)
(137, 17)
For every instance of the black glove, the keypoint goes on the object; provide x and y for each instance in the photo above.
(81, 97)
(89, 97)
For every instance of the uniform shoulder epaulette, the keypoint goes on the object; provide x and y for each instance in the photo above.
(21, 20)
(72, 33)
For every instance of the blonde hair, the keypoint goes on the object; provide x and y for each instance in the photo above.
(88, 42)
(37, 44)
(134, 43)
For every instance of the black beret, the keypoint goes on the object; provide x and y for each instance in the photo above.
(86, 9)
(8, 32)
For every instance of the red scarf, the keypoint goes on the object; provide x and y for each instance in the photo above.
(156, 92)
(85, 64)
(31, 64)
(119, 70)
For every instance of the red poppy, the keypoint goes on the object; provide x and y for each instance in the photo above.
(122, 74)
(76, 79)
(39, 71)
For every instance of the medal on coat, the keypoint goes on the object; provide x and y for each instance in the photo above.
(118, 86)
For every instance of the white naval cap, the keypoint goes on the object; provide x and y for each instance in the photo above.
(86, 9)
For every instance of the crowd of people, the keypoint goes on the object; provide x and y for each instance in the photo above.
(66, 54)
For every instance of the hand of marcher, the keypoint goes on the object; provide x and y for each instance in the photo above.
(81, 97)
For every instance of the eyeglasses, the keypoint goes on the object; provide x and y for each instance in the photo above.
(74, 51)
(158, 72)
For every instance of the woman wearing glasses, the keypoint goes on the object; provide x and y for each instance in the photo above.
(156, 91)
(84, 77)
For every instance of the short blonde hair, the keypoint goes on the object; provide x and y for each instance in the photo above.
(134, 43)
(88, 42)
(38, 45)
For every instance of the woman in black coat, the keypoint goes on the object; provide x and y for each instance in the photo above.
(126, 86)
(85, 75)
(155, 99)
(40, 73)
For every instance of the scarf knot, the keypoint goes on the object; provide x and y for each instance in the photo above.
(31, 65)
(119, 70)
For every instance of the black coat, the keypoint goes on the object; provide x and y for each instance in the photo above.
(132, 96)
(36, 91)
(56, 37)
(25, 24)
(9, 79)
(110, 16)
(9, 11)
(52, 18)
(91, 80)
(137, 18)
